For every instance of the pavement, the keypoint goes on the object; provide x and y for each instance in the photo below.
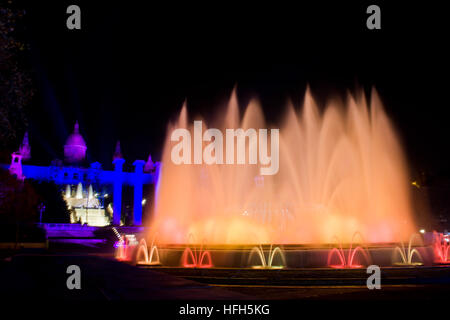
(43, 276)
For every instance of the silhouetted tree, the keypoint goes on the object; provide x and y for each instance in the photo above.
(18, 205)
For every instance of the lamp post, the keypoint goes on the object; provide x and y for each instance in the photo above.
(41, 209)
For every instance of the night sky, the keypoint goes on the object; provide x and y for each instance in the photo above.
(126, 73)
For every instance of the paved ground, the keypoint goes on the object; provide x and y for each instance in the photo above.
(41, 275)
(423, 283)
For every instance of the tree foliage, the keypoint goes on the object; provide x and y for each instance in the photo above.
(51, 196)
(18, 200)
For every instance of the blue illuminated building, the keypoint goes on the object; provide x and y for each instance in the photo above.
(77, 181)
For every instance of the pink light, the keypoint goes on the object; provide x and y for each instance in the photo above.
(440, 248)
(347, 262)
(122, 251)
(209, 264)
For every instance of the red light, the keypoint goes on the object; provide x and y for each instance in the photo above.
(347, 261)
(196, 259)
(440, 248)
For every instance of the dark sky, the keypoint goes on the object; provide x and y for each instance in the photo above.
(129, 69)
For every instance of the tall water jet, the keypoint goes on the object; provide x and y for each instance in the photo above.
(340, 171)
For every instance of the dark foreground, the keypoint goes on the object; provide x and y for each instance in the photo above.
(34, 281)
(42, 275)
(424, 283)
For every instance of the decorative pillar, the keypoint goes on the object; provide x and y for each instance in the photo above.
(117, 203)
(16, 166)
(137, 183)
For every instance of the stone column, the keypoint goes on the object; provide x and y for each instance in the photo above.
(16, 166)
(117, 203)
(138, 184)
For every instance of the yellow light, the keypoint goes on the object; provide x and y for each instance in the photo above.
(422, 231)
(415, 184)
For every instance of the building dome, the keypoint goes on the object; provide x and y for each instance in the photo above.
(75, 147)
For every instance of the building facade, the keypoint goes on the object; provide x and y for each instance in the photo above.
(84, 187)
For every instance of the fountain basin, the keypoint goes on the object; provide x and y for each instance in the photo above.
(295, 256)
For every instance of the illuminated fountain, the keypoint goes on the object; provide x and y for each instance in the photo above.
(340, 170)
(349, 260)
(197, 258)
(440, 248)
(407, 256)
(267, 264)
(146, 256)
(125, 246)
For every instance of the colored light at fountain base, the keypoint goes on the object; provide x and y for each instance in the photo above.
(267, 263)
(197, 259)
(125, 247)
(348, 261)
(147, 256)
(267, 267)
(340, 266)
(408, 254)
(205, 266)
(121, 251)
(412, 264)
(441, 248)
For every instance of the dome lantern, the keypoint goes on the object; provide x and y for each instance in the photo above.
(75, 147)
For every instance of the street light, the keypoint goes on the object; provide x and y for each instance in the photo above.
(41, 209)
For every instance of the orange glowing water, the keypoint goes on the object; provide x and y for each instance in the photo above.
(341, 171)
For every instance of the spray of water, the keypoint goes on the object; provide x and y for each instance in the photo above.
(341, 170)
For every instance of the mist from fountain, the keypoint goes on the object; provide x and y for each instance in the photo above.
(341, 170)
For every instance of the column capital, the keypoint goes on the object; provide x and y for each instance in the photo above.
(138, 166)
(118, 163)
